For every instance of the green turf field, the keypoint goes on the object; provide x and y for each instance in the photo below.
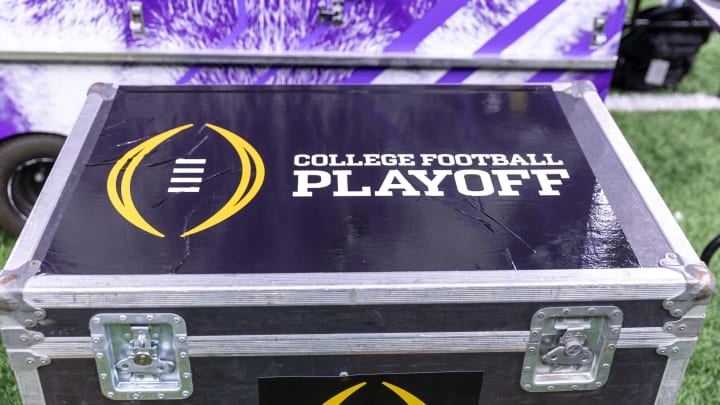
(8, 391)
(703, 78)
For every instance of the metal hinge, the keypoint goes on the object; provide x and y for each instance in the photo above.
(142, 356)
(598, 33)
(137, 20)
(332, 11)
(571, 348)
(681, 349)
(18, 343)
(12, 304)
(700, 284)
(689, 326)
(687, 329)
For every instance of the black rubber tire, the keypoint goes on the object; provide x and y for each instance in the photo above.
(710, 250)
(25, 161)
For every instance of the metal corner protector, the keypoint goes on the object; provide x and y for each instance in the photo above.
(106, 91)
(578, 88)
(701, 284)
(12, 304)
(16, 315)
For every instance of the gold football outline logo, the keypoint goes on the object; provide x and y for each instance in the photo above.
(245, 192)
(409, 398)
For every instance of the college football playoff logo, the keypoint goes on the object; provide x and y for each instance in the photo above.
(119, 182)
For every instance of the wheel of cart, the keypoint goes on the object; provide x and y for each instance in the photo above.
(25, 162)
(710, 250)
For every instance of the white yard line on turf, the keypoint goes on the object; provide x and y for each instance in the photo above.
(661, 102)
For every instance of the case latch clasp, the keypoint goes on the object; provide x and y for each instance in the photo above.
(570, 348)
(141, 356)
(142, 361)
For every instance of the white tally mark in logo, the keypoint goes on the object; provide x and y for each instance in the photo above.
(187, 176)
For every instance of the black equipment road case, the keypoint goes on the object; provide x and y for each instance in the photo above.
(350, 245)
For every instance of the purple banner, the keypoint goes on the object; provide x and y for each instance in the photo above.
(240, 26)
(304, 44)
(411, 38)
(506, 36)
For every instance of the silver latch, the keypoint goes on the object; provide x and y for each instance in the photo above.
(332, 11)
(598, 33)
(571, 348)
(142, 361)
(137, 22)
(141, 356)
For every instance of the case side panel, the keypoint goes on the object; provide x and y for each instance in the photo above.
(498, 384)
(369, 319)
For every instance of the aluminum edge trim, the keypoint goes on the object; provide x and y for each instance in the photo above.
(38, 224)
(354, 343)
(654, 202)
(311, 59)
(237, 290)
(671, 381)
(30, 387)
(24, 363)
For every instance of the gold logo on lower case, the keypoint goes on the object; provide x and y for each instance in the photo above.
(122, 200)
(409, 398)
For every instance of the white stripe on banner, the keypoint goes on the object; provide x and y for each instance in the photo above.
(499, 77)
(459, 36)
(559, 30)
(405, 76)
(662, 102)
(471, 27)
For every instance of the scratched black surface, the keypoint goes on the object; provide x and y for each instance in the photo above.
(272, 320)
(279, 233)
(634, 378)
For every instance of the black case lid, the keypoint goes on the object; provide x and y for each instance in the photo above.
(265, 190)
